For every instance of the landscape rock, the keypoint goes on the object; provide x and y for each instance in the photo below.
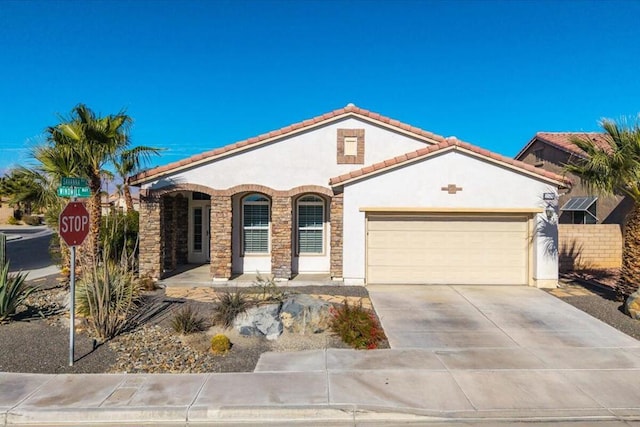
(263, 320)
(632, 305)
(305, 314)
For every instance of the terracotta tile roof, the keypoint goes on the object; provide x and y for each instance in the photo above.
(287, 130)
(447, 144)
(563, 141)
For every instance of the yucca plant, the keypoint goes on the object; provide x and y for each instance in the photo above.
(107, 295)
(13, 291)
(230, 306)
(187, 321)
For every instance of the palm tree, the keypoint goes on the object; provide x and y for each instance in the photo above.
(615, 169)
(91, 142)
(51, 165)
(129, 162)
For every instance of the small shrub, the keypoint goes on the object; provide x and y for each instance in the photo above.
(356, 326)
(147, 283)
(13, 291)
(270, 290)
(119, 235)
(220, 344)
(12, 220)
(31, 219)
(187, 321)
(230, 306)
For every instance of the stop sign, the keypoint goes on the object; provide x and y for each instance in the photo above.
(74, 223)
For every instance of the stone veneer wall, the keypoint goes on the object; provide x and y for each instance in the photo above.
(150, 236)
(169, 235)
(175, 217)
(336, 235)
(182, 229)
(589, 246)
(221, 237)
(281, 241)
(151, 224)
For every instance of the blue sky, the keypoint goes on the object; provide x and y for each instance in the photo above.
(196, 75)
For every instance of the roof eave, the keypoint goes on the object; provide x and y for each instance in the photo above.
(556, 182)
(201, 159)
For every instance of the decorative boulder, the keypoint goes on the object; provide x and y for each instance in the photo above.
(632, 305)
(305, 314)
(262, 320)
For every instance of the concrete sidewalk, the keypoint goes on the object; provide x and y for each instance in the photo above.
(339, 387)
(460, 356)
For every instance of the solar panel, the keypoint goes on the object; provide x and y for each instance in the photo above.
(579, 203)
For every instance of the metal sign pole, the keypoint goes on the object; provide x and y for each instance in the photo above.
(73, 229)
(72, 306)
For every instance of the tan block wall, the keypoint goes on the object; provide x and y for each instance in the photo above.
(6, 212)
(589, 246)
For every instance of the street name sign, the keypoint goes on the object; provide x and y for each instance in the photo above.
(81, 192)
(74, 182)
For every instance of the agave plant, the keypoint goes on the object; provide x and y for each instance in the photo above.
(13, 291)
(107, 295)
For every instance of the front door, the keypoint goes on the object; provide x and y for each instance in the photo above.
(199, 251)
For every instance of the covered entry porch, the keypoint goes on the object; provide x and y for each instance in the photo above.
(199, 275)
(244, 229)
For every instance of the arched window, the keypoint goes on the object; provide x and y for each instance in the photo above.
(310, 225)
(255, 224)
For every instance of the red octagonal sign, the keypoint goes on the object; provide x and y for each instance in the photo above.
(74, 223)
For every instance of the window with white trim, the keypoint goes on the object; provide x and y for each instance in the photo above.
(310, 225)
(255, 224)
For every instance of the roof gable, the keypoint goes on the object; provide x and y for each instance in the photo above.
(449, 144)
(563, 141)
(287, 131)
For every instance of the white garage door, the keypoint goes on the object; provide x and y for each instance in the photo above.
(447, 250)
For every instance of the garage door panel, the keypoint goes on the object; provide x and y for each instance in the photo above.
(438, 250)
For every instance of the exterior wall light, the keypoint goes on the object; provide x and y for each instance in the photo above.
(549, 211)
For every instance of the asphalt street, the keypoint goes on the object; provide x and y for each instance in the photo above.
(31, 250)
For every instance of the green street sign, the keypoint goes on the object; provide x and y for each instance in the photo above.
(80, 192)
(74, 182)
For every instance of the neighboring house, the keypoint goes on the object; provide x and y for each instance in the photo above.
(551, 151)
(117, 202)
(357, 196)
(580, 247)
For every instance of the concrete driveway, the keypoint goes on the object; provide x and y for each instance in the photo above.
(500, 327)
(489, 317)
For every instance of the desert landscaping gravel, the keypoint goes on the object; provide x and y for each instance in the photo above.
(600, 302)
(37, 341)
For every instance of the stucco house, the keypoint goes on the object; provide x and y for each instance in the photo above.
(358, 196)
(552, 151)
